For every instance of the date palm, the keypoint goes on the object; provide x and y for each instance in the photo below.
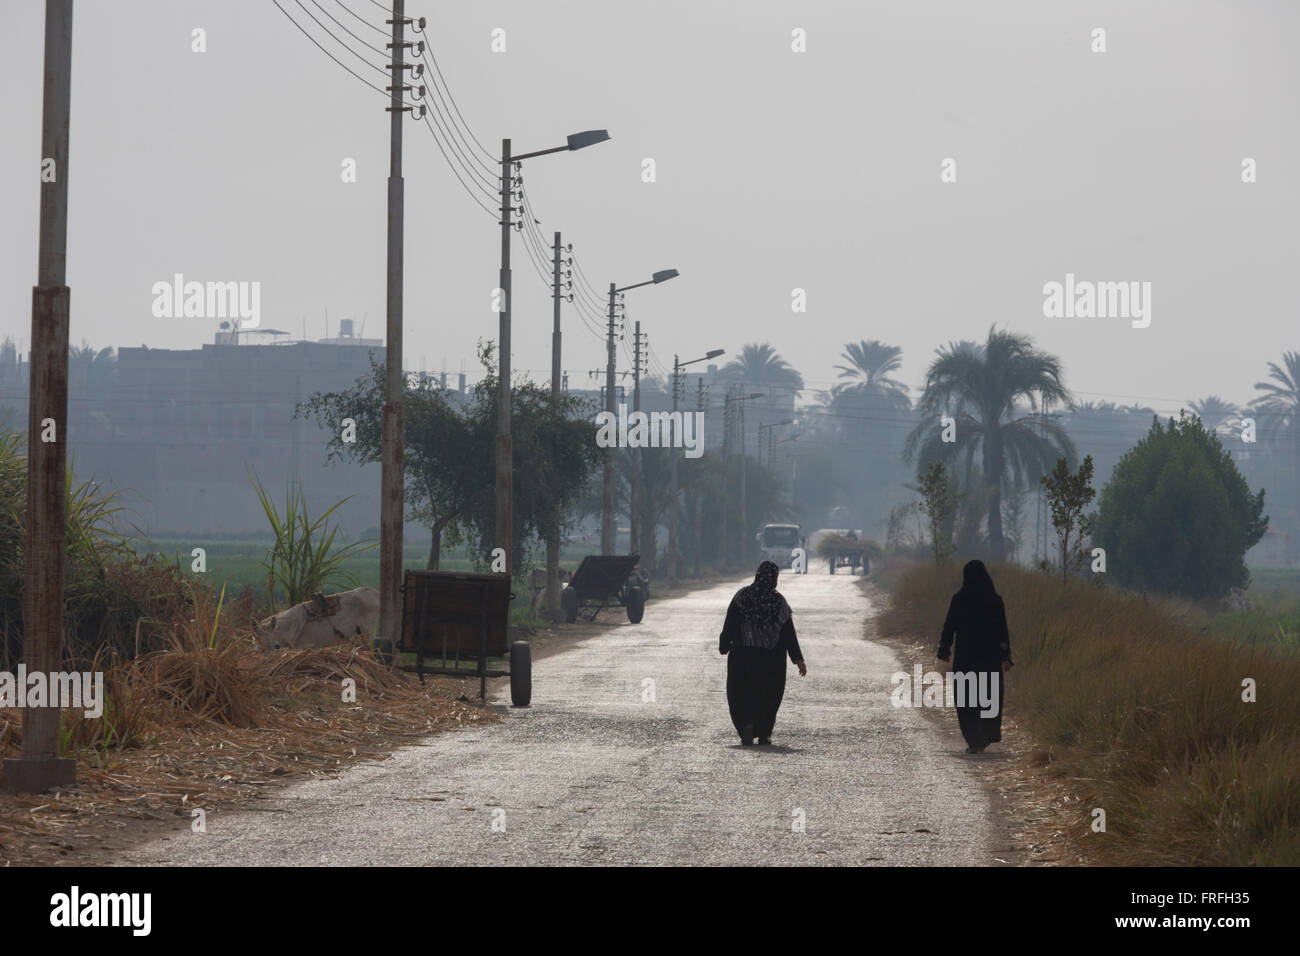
(870, 393)
(1280, 403)
(1217, 413)
(759, 365)
(993, 391)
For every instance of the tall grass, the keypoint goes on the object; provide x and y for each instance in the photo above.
(1141, 711)
(303, 560)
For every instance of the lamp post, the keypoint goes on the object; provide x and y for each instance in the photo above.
(607, 478)
(504, 451)
(744, 515)
(770, 426)
(678, 365)
(726, 418)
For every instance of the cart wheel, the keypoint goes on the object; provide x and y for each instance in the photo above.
(521, 673)
(635, 605)
(569, 603)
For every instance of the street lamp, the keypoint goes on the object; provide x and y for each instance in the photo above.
(678, 365)
(770, 426)
(607, 479)
(504, 450)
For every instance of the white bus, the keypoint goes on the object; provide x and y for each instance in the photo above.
(777, 543)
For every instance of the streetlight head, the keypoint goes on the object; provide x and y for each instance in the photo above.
(713, 353)
(665, 275)
(588, 137)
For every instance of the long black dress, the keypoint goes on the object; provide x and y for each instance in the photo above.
(755, 669)
(978, 620)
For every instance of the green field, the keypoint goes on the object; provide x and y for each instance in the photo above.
(237, 563)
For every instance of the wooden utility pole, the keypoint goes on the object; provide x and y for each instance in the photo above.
(392, 479)
(41, 767)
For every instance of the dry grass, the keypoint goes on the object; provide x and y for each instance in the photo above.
(211, 721)
(1142, 715)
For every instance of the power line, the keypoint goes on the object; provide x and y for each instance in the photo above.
(452, 167)
(362, 19)
(328, 53)
(341, 43)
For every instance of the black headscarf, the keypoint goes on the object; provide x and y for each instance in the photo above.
(760, 603)
(976, 581)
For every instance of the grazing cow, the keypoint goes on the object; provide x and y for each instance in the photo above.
(322, 621)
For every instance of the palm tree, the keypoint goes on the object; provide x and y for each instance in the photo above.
(1217, 413)
(759, 364)
(1280, 404)
(984, 388)
(871, 391)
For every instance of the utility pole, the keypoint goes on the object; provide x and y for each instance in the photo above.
(553, 539)
(744, 515)
(41, 767)
(726, 449)
(607, 529)
(672, 479)
(635, 520)
(505, 451)
(699, 497)
(393, 434)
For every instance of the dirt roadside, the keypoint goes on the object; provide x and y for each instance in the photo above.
(1036, 812)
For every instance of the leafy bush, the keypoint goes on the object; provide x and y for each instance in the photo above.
(1177, 516)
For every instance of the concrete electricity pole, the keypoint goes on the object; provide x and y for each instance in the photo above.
(607, 530)
(505, 452)
(393, 436)
(635, 519)
(699, 497)
(553, 539)
(40, 767)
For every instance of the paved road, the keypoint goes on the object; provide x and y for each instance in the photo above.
(593, 773)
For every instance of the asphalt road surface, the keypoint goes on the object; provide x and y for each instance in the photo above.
(608, 768)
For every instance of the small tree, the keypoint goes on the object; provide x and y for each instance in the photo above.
(1069, 494)
(939, 504)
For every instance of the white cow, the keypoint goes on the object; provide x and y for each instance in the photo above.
(317, 623)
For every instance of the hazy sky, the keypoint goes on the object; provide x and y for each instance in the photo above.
(775, 170)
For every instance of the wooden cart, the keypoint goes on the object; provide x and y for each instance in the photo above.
(457, 619)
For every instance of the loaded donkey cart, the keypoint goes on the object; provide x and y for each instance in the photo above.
(456, 621)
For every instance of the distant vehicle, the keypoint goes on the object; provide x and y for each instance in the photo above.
(841, 548)
(777, 543)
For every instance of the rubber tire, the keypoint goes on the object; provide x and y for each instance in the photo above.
(521, 673)
(569, 604)
(635, 605)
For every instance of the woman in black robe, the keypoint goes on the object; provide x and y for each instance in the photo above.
(757, 636)
(978, 619)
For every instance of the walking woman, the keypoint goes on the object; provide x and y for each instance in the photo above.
(977, 618)
(757, 636)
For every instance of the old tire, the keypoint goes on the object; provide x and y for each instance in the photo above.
(569, 604)
(635, 605)
(521, 673)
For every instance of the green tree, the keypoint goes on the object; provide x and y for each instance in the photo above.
(450, 446)
(939, 504)
(1177, 516)
(984, 387)
(1068, 495)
